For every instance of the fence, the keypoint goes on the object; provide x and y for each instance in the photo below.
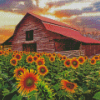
(72, 53)
(5, 47)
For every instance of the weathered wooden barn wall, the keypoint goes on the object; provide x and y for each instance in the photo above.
(63, 43)
(39, 36)
(90, 49)
(66, 44)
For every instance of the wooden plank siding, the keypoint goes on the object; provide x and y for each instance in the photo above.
(40, 35)
(91, 49)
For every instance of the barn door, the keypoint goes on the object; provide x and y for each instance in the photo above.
(29, 47)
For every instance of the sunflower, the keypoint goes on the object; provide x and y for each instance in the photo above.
(74, 63)
(59, 55)
(13, 61)
(19, 71)
(81, 60)
(93, 61)
(40, 61)
(1, 52)
(52, 59)
(64, 57)
(96, 57)
(68, 86)
(86, 57)
(41, 54)
(27, 82)
(29, 59)
(35, 58)
(21, 53)
(49, 54)
(15, 51)
(42, 70)
(13, 55)
(9, 50)
(18, 56)
(27, 53)
(61, 58)
(38, 55)
(54, 54)
(24, 52)
(67, 62)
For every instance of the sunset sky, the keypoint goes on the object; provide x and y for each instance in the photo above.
(76, 13)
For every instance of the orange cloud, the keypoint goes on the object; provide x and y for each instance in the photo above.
(6, 32)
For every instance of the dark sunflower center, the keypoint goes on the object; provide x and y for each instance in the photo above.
(49, 55)
(40, 63)
(96, 57)
(35, 58)
(52, 59)
(0, 52)
(42, 70)
(92, 61)
(64, 57)
(38, 55)
(20, 72)
(74, 63)
(81, 60)
(53, 54)
(29, 82)
(68, 62)
(18, 57)
(29, 59)
(13, 61)
(69, 85)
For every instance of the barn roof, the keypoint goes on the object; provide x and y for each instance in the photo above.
(45, 19)
(69, 33)
(64, 29)
(8, 41)
(60, 28)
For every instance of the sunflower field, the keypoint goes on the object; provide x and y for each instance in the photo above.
(48, 76)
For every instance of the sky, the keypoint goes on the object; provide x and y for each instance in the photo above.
(76, 13)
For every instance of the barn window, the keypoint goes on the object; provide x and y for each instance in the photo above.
(29, 35)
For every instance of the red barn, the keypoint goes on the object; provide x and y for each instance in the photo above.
(40, 34)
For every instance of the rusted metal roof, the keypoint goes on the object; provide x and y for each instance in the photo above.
(69, 33)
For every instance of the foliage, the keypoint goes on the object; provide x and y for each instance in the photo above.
(86, 76)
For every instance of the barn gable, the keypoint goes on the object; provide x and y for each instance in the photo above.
(31, 23)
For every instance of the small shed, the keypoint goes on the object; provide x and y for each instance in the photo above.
(40, 34)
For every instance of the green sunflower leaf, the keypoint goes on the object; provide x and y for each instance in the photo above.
(32, 93)
(97, 96)
(14, 97)
(56, 87)
(33, 98)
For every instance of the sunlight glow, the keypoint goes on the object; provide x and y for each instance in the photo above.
(51, 17)
(34, 2)
(22, 3)
(9, 18)
(91, 14)
(73, 6)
